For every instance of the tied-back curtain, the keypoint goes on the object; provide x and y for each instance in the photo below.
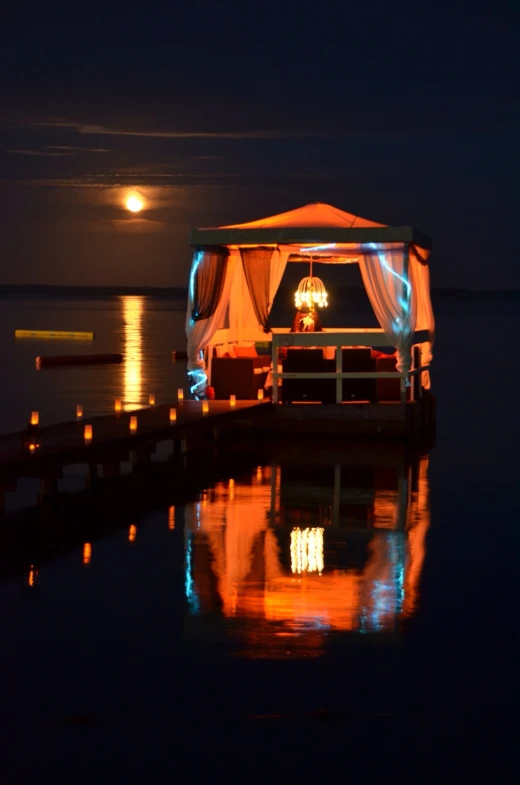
(207, 280)
(199, 332)
(385, 276)
(257, 271)
(420, 275)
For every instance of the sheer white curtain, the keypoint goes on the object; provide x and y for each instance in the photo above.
(200, 333)
(392, 296)
(241, 311)
(278, 265)
(420, 275)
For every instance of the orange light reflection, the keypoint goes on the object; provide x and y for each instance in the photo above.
(133, 307)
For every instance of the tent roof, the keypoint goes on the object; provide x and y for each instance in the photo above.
(316, 214)
(313, 223)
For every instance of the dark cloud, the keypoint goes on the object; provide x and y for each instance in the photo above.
(224, 113)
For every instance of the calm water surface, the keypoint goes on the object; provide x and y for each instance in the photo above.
(321, 606)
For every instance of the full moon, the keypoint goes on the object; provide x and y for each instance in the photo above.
(134, 203)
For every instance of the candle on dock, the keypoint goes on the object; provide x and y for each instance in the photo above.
(132, 533)
(117, 405)
(87, 434)
(173, 415)
(260, 394)
(87, 553)
(232, 401)
(79, 412)
(180, 395)
(133, 423)
(35, 418)
(205, 407)
(151, 399)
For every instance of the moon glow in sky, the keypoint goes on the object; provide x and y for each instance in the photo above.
(134, 203)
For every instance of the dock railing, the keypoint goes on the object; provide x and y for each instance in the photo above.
(339, 339)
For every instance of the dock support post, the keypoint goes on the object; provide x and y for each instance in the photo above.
(111, 467)
(92, 476)
(48, 486)
(336, 495)
(339, 368)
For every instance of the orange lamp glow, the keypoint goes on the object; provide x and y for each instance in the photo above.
(132, 533)
(31, 578)
(173, 415)
(180, 395)
(35, 418)
(232, 401)
(231, 490)
(117, 406)
(205, 407)
(133, 423)
(87, 434)
(151, 399)
(79, 412)
(87, 553)
(171, 518)
(260, 394)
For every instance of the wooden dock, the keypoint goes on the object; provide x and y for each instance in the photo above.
(59, 446)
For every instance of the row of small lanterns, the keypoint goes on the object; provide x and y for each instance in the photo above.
(88, 433)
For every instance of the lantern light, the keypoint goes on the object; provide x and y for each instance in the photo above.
(35, 418)
(173, 415)
(205, 407)
(133, 423)
(151, 399)
(180, 395)
(87, 553)
(132, 533)
(117, 406)
(232, 401)
(311, 292)
(87, 434)
(79, 412)
(261, 394)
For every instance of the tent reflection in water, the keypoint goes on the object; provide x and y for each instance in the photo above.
(279, 559)
(237, 270)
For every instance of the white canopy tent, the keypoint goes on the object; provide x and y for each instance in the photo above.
(237, 270)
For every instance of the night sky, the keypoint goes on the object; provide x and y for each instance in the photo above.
(221, 112)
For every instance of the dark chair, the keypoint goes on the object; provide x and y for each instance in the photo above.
(387, 389)
(240, 376)
(358, 360)
(308, 360)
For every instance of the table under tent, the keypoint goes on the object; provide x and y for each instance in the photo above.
(235, 274)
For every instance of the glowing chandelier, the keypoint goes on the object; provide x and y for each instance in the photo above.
(311, 292)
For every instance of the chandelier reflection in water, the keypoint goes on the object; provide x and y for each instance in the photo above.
(307, 550)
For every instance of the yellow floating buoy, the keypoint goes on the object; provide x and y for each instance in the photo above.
(63, 334)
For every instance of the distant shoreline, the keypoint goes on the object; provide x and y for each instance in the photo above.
(180, 292)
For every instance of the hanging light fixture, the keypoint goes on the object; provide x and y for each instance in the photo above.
(311, 292)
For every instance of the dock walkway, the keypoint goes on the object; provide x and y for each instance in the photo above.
(62, 445)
